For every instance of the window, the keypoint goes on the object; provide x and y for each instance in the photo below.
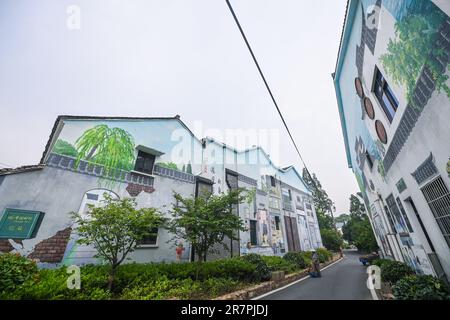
(369, 160)
(438, 198)
(405, 216)
(253, 233)
(395, 212)
(385, 95)
(144, 162)
(277, 222)
(150, 239)
(272, 181)
(290, 195)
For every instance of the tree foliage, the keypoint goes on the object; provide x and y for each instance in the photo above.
(358, 229)
(413, 49)
(65, 148)
(115, 229)
(331, 239)
(322, 203)
(207, 220)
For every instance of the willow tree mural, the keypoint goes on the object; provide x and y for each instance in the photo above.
(111, 147)
(416, 47)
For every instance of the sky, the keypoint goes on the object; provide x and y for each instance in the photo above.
(156, 58)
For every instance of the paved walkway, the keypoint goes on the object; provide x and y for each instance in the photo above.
(345, 280)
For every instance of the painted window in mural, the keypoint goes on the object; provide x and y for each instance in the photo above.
(253, 237)
(385, 95)
(144, 162)
(79, 253)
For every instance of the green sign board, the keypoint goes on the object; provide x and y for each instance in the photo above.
(19, 224)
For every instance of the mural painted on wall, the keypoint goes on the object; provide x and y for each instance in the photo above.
(76, 253)
(416, 46)
(263, 224)
(112, 145)
(277, 240)
(413, 47)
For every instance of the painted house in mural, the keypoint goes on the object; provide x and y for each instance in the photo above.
(147, 159)
(393, 92)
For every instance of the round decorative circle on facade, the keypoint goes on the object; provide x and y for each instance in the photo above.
(368, 106)
(359, 88)
(381, 131)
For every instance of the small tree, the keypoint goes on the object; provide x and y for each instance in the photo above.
(207, 220)
(115, 229)
(331, 239)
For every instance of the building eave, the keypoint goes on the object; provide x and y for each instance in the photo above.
(351, 10)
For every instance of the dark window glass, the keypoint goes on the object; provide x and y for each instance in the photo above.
(385, 95)
(150, 239)
(277, 222)
(290, 195)
(272, 181)
(405, 216)
(144, 162)
(92, 196)
(253, 232)
(369, 160)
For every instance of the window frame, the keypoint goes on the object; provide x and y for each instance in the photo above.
(135, 169)
(143, 245)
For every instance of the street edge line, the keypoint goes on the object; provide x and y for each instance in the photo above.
(292, 283)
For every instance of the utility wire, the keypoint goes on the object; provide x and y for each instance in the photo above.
(270, 91)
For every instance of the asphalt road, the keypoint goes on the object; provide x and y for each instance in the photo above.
(345, 280)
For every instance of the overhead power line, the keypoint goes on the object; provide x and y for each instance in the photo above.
(269, 90)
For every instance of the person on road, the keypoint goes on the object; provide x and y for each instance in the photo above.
(315, 266)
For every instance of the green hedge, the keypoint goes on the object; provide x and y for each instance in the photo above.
(15, 270)
(420, 288)
(20, 279)
(379, 262)
(324, 255)
(142, 281)
(297, 259)
(392, 271)
(279, 264)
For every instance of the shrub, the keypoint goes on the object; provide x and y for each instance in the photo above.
(262, 271)
(296, 258)
(331, 239)
(420, 288)
(324, 255)
(379, 262)
(15, 270)
(392, 271)
(279, 264)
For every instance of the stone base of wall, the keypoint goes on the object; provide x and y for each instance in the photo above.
(262, 288)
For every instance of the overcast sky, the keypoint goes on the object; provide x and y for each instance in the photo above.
(166, 57)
